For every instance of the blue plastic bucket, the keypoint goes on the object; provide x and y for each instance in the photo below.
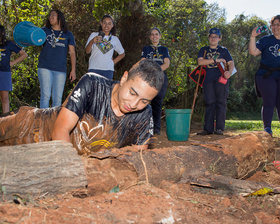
(178, 124)
(27, 34)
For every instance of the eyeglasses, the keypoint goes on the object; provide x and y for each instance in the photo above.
(275, 25)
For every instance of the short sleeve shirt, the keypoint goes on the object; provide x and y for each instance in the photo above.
(5, 55)
(98, 126)
(212, 71)
(53, 56)
(101, 57)
(270, 48)
(157, 54)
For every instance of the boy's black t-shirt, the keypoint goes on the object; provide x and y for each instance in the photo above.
(98, 126)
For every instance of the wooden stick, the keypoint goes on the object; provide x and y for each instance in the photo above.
(196, 89)
(195, 92)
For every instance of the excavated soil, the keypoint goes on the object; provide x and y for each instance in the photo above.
(114, 195)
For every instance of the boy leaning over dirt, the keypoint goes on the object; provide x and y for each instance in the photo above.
(99, 113)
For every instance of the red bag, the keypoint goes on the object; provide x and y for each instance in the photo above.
(222, 78)
(195, 74)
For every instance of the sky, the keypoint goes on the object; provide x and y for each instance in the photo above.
(264, 9)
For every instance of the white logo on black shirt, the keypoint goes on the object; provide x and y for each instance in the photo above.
(76, 95)
(275, 50)
(151, 126)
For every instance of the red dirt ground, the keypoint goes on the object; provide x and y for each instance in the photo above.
(143, 203)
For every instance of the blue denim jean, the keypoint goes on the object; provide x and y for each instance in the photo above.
(51, 84)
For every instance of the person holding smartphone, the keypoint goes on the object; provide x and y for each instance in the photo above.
(102, 45)
(268, 75)
(215, 89)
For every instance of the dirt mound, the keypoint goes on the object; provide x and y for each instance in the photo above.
(119, 192)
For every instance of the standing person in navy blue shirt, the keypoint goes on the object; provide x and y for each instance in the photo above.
(159, 54)
(215, 93)
(52, 65)
(6, 49)
(268, 74)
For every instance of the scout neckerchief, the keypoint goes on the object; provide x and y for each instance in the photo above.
(105, 45)
(2, 49)
(214, 54)
(55, 39)
(156, 55)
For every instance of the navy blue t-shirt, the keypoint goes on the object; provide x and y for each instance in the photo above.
(54, 53)
(5, 55)
(157, 54)
(270, 48)
(99, 127)
(212, 71)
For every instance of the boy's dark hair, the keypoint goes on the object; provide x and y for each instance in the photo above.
(113, 30)
(2, 36)
(149, 71)
(274, 18)
(60, 18)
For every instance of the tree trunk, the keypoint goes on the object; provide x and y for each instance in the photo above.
(40, 168)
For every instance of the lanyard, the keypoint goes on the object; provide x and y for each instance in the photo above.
(109, 39)
(155, 48)
(55, 39)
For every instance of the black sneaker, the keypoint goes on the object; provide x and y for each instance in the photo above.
(268, 130)
(218, 132)
(204, 132)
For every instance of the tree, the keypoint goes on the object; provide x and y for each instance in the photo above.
(184, 25)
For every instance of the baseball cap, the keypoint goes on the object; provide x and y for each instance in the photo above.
(215, 31)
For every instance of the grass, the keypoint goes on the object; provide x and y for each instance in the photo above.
(242, 126)
(248, 116)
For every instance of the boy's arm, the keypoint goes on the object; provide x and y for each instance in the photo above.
(64, 124)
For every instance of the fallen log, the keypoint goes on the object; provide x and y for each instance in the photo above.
(55, 167)
(40, 168)
(236, 157)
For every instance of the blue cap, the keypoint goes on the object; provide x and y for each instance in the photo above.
(215, 31)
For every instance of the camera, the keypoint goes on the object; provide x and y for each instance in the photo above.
(102, 34)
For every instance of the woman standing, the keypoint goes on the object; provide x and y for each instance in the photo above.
(52, 65)
(102, 45)
(268, 74)
(6, 49)
(215, 91)
(159, 54)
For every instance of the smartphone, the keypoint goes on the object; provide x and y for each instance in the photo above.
(262, 29)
